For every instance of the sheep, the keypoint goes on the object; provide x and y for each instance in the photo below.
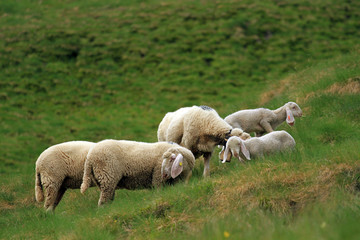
(255, 147)
(58, 168)
(262, 120)
(127, 164)
(199, 129)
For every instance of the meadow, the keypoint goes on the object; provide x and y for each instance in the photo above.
(93, 70)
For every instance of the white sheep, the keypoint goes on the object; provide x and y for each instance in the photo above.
(276, 141)
(199, 129)
(58, 168)
(115, 164)
(262, 120)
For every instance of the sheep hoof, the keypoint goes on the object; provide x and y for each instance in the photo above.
(206, 175)
(50, 210)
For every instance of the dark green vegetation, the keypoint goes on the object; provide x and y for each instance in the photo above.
(90, 70)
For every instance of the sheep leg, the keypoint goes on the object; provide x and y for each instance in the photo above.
(107, 190)
(266, 126)
(51, 195)
(259, 134)
(188, 178)
(175, 132)
(207, 157)
(61, 192)
(107, 194)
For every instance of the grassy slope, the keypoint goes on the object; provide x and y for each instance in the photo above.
(90, 71)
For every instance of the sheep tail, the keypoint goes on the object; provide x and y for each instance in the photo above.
(86, 177)
(39, 193)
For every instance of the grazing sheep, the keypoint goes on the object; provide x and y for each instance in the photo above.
(58, 168)
(262, 120)
(127, 164)
(199, 129)
(255, 147)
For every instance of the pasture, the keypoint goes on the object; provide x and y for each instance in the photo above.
(94, 70)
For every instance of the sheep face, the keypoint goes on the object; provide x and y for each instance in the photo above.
(172, 164)
(292, 110)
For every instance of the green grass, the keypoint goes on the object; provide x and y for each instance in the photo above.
(91, 70)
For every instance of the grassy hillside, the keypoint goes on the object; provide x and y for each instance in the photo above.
(90, 70)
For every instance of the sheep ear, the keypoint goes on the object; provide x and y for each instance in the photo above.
(227, 154)
(244, 150)
(289, 117)
(221, 154)
(177, 166)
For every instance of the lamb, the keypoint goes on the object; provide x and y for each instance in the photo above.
(255, 147)
(58, 168)
(262, 120)
(126, 164)
(199, 129)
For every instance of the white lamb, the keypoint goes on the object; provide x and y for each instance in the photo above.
(115, 164)
(58, 168)
(199, 129)
(262, 120)
(276, 141)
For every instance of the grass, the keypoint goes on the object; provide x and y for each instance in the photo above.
(91, 70)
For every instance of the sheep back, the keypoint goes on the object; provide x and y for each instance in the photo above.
(129, 164)
(197, 128)
(275, 141)
(249, 120)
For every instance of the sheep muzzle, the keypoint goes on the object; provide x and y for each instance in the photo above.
(165, 176)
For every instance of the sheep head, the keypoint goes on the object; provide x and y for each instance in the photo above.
(233, 132)
(172, 164)
(236, 147)
(292, 110)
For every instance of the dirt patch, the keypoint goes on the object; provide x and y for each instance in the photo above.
(277, 90)
(6, 206)
(278, 189)
(352, 86)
